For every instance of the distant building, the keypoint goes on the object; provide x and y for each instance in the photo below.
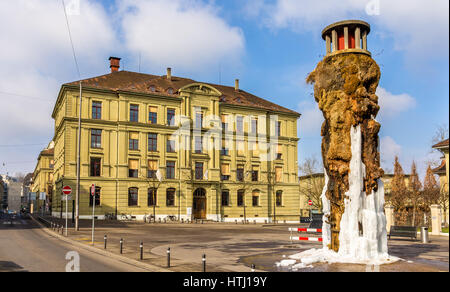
(26, 190)
(12, 193)
(315, 182)
(442, 172)
(43, 178)
(3, 195)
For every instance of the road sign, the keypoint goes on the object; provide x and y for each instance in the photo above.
(310, 202)
(93, 190)
(67, 190)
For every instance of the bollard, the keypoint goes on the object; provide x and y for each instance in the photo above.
(142, 250)
(253, 268)
(204, 263)
(168, 257)
(121, 246)
(106, 239)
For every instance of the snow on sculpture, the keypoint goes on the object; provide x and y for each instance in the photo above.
(345, 82)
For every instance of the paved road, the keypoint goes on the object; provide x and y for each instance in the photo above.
(25, 247)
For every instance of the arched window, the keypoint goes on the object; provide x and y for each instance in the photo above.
(152, 88)
(170, 90)
(170, 197)
(225, 198)
(255, 198)
(279, 198)
(133, 197)
(152, 197)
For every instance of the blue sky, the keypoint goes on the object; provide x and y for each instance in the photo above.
(270, 46)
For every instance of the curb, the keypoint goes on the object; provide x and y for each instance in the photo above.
(148, 267)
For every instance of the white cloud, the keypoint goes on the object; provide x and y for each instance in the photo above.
(392, 105)
(36, 58)
(187, 34)
(311, 120)
(389, 149)
(418, 27)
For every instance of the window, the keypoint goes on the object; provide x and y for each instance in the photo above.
(152, 88)
(240, 125)
(278, 129)
(96, 138)
(51, 164)
(152, 168)
(279, 198)
(133, 168)
(225, 198)
(134, 141)
(199, 120)
(97, 197)
(170, 90)
(278, 174)
(240, 148)
(255, 149)
(134, 113)
(96, 166)
(240, 173)
(153, 115)
(225, 172)
(240, 198)
(199, 170)
(170, 170)
(170, 146)
(152, 142)
(171, 117)
(254, 175)
(224, 123)
(198, 145)
(254, 126)
(255, 199)
(97, 110)
(133, 197)
(152, 196)
(170, 197)
(279, 151)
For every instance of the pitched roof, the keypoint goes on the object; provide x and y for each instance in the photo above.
(443, 144)
(441, 169)
(143, 83)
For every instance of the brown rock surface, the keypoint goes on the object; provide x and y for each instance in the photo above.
(344, 88)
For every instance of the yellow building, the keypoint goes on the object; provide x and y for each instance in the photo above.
(206, 151)
(442, 171)
(43, 177)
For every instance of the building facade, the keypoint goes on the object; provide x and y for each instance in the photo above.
(3, 195)
(171, 146)
(42, 181)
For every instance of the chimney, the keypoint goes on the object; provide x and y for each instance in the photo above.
(169, 73)
(236, 85)
(114, 64)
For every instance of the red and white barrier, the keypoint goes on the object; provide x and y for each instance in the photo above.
(312, 230)
(319, 239)
(305, 230)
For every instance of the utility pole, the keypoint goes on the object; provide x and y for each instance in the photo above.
(77, 195)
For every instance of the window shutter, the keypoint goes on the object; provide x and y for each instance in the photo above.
(133, 164)
(278, 174)
(134, 136)
(153, 165)
(279, 149)
(225, 169)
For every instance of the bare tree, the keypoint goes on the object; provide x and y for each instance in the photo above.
(314, 182)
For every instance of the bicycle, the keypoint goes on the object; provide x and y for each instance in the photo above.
(171, 218)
